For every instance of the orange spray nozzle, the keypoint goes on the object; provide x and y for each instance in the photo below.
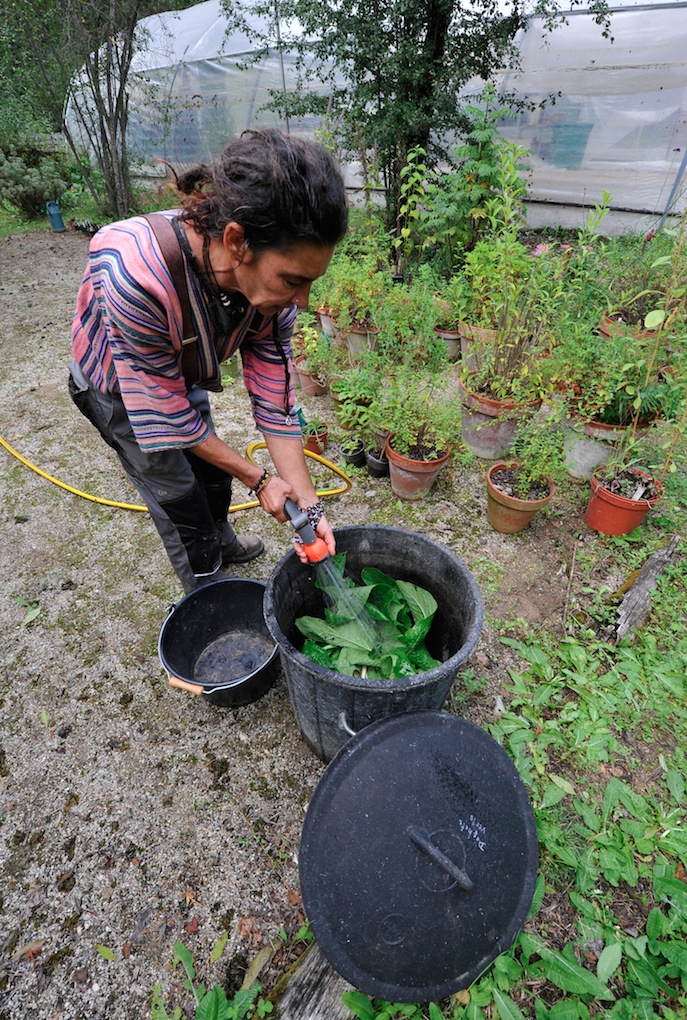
(315, 548)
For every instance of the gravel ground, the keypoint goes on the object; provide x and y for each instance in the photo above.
(133, 815)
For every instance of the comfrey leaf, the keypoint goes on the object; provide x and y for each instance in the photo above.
(376, 629)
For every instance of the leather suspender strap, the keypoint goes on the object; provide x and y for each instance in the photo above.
(166, 237)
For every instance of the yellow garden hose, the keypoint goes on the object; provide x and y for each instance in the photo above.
(257, 445)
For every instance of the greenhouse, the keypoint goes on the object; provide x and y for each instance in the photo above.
(618, 122)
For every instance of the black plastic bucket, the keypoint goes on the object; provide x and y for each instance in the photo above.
(215, 643)
(329, 706)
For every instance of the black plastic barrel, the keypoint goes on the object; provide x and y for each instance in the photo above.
(329, 706)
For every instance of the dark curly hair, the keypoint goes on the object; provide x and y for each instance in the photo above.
(281, 189)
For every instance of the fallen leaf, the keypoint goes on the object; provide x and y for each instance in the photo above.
(245, 926)
(126, 950)
(29, 950)
(190, 898)
(257, 964)
(463, 997)
(293, 896)
(191, 927)
(63, 881)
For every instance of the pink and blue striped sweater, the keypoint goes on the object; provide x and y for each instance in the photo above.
(127, 336)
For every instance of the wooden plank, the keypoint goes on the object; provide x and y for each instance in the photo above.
(634, 608)
(313, 991)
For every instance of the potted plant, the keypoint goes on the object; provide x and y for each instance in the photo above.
(513, 297)
(315, 432)
(451, 303)
(355, 287)
(522, 296)
(518, 489)
(311, 357)
(630, 484)
(421, 426)
(353, 392)
(406, 322)
(353, 451)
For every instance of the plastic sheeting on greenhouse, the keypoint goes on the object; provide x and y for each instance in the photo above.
(619, 123)
(621, 120)
(191, 88)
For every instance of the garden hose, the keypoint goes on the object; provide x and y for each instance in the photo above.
(235, 508)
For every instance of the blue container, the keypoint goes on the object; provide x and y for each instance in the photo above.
(55, 217)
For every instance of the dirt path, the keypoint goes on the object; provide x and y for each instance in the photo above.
(132, 815)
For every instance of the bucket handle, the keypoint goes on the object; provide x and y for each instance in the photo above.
(184, 685)
(343, 725)
(421, 839)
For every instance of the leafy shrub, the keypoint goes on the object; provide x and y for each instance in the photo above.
(29, 178)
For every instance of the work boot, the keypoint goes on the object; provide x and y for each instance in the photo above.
(247, 548)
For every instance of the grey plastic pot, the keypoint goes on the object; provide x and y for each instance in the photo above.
(329, 706)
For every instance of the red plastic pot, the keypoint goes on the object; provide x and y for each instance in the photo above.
(612, 514)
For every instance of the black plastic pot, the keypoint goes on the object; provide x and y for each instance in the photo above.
(215, 643)
(330, 706)
(377, 467)
(354, 452)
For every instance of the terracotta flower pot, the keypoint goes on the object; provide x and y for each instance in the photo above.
(508, 514)
(310, 384)
(326, 321)
(488, 426)
(360, 340)
(452, 339)
(589, 445)
(316, 443)
(412, 479)
(472, 341)
(612, 514)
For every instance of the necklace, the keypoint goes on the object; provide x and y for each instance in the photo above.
(226, 310)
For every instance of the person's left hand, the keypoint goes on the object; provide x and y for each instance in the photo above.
(323, 531)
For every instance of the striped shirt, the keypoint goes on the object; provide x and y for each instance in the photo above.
(127, 335)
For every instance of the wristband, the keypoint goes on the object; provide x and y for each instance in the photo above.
(260, 484)
(315, 514)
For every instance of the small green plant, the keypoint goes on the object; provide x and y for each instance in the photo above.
(379, 1009)
(314, 426)
(310, 344)
(33, 610)
(538, 451)
(211, 1004)
(422, 424)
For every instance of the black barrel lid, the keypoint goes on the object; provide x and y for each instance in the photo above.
(418, 857)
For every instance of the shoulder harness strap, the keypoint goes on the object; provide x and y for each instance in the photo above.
(171, 252)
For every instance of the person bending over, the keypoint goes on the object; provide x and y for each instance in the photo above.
(254, 229)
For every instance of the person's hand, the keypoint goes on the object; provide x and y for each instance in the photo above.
(323, 531)
(273, 496)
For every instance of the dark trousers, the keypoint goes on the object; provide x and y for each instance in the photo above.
(188, 498)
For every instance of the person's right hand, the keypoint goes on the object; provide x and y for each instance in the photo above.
(273, 496)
